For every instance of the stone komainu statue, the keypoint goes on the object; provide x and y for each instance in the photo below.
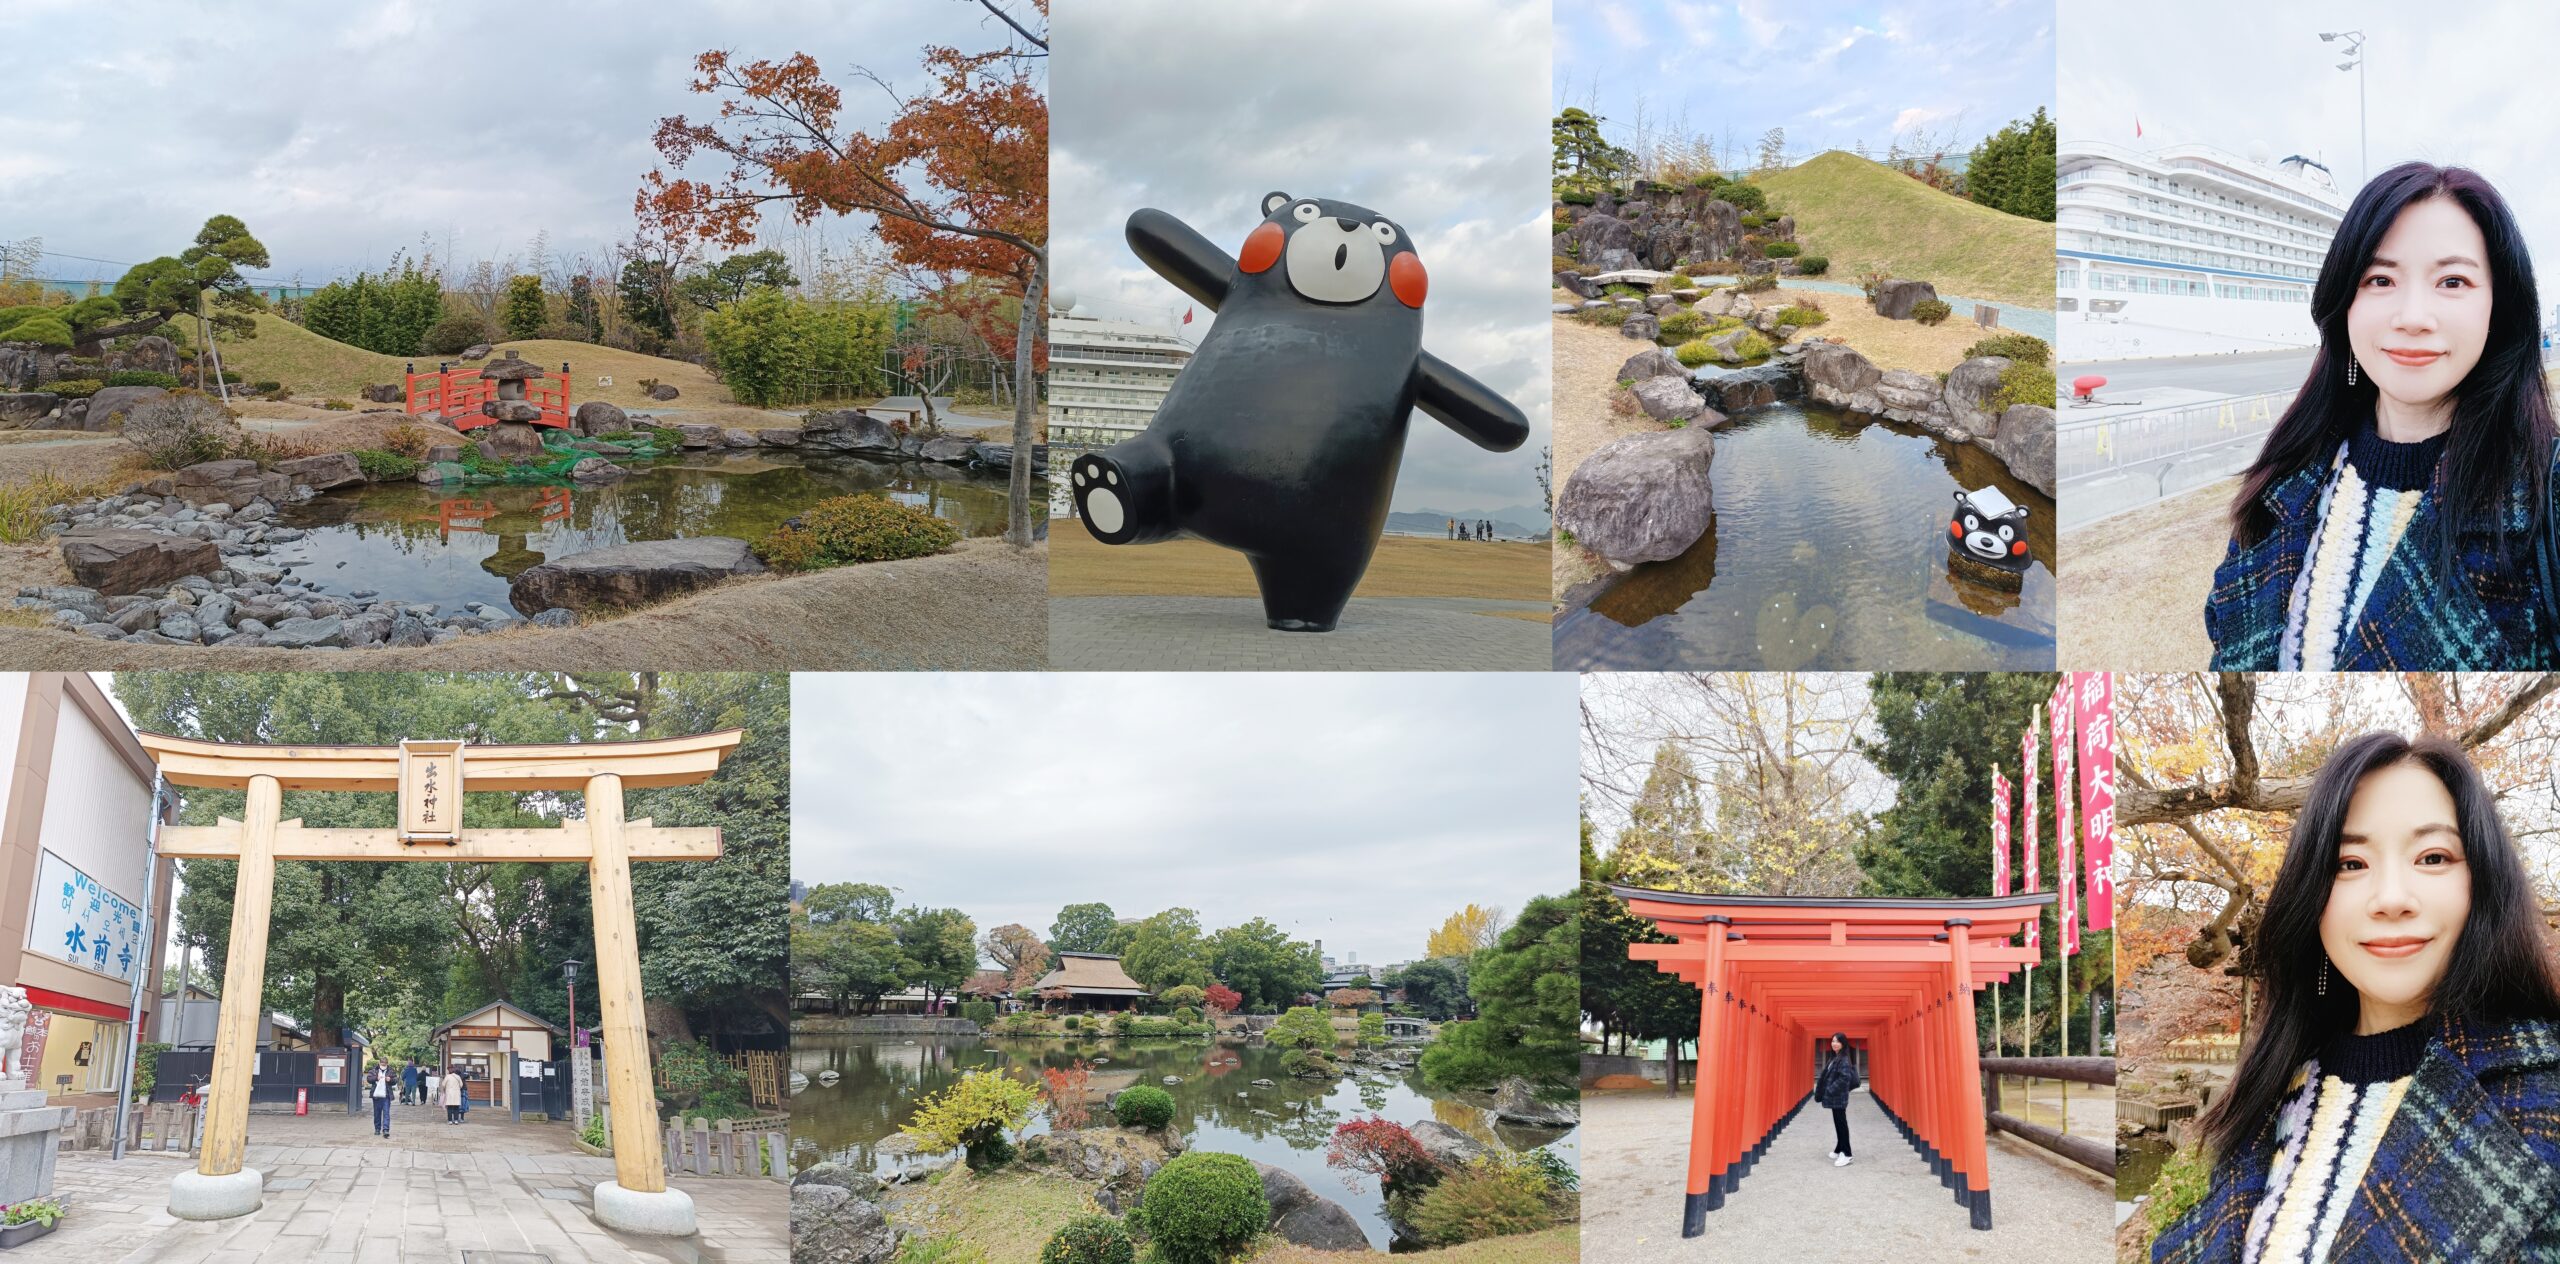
(13, 1030)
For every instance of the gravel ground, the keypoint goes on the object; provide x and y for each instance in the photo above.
(1796, 1205)
(982, 606)
(2134, 597)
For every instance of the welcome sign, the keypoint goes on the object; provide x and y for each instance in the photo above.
(78, 920)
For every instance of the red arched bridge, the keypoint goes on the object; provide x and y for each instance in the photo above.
(1780, 974)
(507, 389)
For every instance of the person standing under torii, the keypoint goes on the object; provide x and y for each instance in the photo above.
(1831, 1091)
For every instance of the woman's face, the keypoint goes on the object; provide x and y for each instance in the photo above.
(2421, 312)
(2400, 895)
(1835, 1044)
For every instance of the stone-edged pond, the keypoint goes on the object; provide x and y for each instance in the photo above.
(1827, 549)
(1218, 1104)
(455, 546)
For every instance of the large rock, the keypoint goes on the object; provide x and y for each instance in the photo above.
(1644, 325)
(1450, 1147)
(108, 407)
(149, 353)
(307, 634)
(949, 449)
(1904, 390)
(1970, 386)
(510, 441)
(384, 393)
(1836, 375)
(777, 436)
(1305, 1217)
(596, 417)
(1669, 398)
(1578, 284)
(235, 482)
(1641, 498)
(999, 456)
(1895, 299)
(510, 369)
(21, 410)
(1651, 362)
(596, 469)
(136, 561)
(694, 434)
(2024, 443)
(512, 410)
(1603, 241)
(629, 575)
(323, 472)
(1744, 388)
(477, 351)
(738, 437)
(1514, 1102)
(662, 392)
(848, 430)
(828, 1222)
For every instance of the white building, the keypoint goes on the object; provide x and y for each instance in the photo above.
(1106, 379)
(2187, 249)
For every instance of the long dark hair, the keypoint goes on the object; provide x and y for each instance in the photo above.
(2501, 413)
(2499, 970)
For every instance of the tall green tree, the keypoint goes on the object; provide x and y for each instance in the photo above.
(941, 946)
(1435, 988)
(830, 902)
(522, 313)
(648, 289)
(1527, 991)
(2013, 169)
(584, 312)
(159, 290)
(1938, 735)
(1585, 161)
(1168, 950)
(1082, 928)
(730, 279)
(1266, 967)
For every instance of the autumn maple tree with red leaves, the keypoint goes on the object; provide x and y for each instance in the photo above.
(958, 180)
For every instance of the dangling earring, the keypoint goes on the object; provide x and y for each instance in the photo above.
(2324, 966)
(2351, 380)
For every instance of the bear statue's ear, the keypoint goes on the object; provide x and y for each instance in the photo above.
(1273, 201)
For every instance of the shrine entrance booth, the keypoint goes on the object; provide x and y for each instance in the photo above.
(1779, 975)
(430, 777)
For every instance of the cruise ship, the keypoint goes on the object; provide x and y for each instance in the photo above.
(2187, 250)
(1106, 379)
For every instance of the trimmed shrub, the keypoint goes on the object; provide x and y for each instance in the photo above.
(2023, 348)
(1695, 353)
(848, 529)
(1744, 197)
(1373, 1029)
(1075, 1022)
(44, 331)
(77, 387)
(1480, 1200)
(1203, 1207)
(1930, 311)
(990, 1154)
(1782, 250)
(1308, 1063)
(1756, 282)
(1802, 317)
(455, 334)
(1187, 1016)
(381, 466)
(1090, 1240)
(1752, 345)
(1577, 197)
(975, 1112)
(408, 440)
(180, 430)
(1683, 324)
(1813, 265)
(1302, 1027)
(2023, 383)
(979, 1012)
(1754, 221)
(143, 377)
(1143, 1106)
(273, 390)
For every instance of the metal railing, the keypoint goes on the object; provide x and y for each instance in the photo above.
(2124, 461)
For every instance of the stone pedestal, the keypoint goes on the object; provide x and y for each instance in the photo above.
(668, 1213)
(29, 1136)
(196, 1196)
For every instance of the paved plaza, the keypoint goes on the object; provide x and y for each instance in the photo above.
(1227, 634)
(485, 1192)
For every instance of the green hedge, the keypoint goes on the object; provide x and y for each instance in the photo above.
(142, 377)
(848, 529)
(979, 1012)
(1090, 1240)
(1812, 265)
(1204, 1208)
(1143, 1106)
(1782, 250)
(2023, 348)
(1930, 311)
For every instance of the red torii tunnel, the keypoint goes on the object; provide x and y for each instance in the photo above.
(1781, 973)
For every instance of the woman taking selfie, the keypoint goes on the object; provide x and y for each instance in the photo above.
(2400, 513)
(2400, 1097)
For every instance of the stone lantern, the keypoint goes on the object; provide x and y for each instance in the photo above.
(513, 438)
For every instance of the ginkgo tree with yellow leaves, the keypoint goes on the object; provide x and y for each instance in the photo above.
(1469, 930)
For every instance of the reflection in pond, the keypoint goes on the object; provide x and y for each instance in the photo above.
(1827, 549)
(451, 546)
(1217, 1106)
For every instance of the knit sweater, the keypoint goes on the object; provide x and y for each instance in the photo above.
(2374, 489)
(2325, 1137)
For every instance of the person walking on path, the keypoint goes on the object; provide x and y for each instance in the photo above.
(1839, 1077)
(381, 1094)
(409, 1084)
(452, 1096)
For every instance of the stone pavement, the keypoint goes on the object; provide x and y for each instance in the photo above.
(435, 1194)
(1795, 1205)
(1227, 634)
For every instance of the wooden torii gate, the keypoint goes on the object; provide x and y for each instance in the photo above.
(430, 777)
(1780, 974)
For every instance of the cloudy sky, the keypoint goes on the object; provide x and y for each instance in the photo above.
(343, 132)
(1835, 76)
(1431, 112)
(2448, 84)
(1360, 810)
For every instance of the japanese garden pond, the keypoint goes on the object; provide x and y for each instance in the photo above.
(1217, 1106)
(1827, 549)
(457, 545)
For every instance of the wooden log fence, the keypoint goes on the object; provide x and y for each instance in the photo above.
(2088, 1152)
(702, 1150)
(163, 1127)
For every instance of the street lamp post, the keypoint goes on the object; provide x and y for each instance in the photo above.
(569, 972)
(2355, 50)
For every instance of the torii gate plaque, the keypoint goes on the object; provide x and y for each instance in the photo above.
(429, 777)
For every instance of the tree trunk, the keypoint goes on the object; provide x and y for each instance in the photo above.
(1017, 527)
(328, 1007)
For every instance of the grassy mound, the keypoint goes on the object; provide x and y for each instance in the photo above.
(310, 365)
(1867, 217)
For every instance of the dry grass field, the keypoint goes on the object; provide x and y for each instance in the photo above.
(1081, 566)
(314, 367)
(1867, 217)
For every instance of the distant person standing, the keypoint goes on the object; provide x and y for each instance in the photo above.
(381, 1095)
(452, 1096)
(1453, 528)
(409, 1094)
(1839, 1079)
